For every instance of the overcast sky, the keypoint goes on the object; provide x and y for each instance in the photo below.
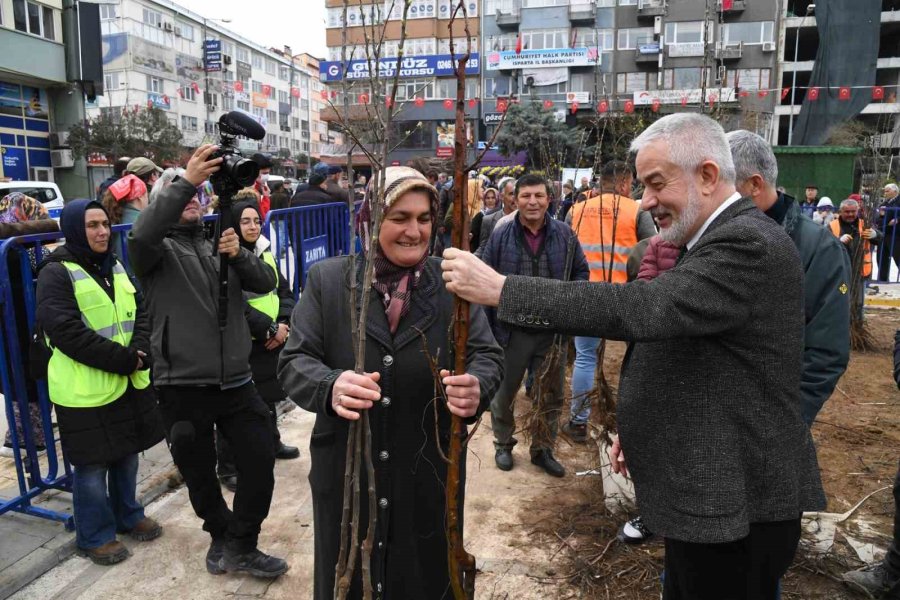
(270, 23)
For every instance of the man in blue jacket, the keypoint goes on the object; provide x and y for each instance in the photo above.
(534, 244)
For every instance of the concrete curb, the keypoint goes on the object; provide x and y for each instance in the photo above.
(62, 547)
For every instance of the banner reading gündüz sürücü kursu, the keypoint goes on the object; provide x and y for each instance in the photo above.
(435, 65)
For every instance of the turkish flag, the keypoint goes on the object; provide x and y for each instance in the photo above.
(165, 99)
(238, 86)
(844, 93)
(878, 93)
(195, 87)
(684, 100)
(295, 92)
(502, 104)
(324, 94)
(519, 44)
(655, 105)
(548, 103)
(388, 102)
(743, 93)
(762, 93)
(574, 107)
(712, 99)
(473, 102)
(267, 90)
(420, 102)
(785, 92)
(603, 106)
(180, 93)
(448, 104)
(333, 94)
(629, 106)
(813, 94)
(363, 98)
(727, 4)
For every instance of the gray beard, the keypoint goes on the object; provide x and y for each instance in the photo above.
(677, 232)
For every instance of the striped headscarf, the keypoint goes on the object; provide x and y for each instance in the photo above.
(16, 207)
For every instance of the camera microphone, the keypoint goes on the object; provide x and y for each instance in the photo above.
(240, 123)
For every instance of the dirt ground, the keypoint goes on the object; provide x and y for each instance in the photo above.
(857, 436)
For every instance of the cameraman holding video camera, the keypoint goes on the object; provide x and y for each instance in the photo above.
(201, 364)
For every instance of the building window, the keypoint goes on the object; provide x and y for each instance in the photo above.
(108, 12)
(272, 140)
(418, 47)
(543, 3)
(748, 33)
(628, 83)
(227, 47)
(412, 135)
(271, 116)
(684, 32)
(496, 86)
(244, 106)
(627, 2)
(154, 84)
(587, 37)
(242, 54)
(460, 43)
(501, 43)
(257, 86)
(581, 82)
(630, 38)
(34, 19)
(748, 79)
(686, 78)
(446, 88)
(227, 103)
(282, 97)
(271, 67)
(187, 92)
(188, 123)
(111, 81)
(540, 39)
(257, 61)
(152, 18)
(187, 31)
(284, 73)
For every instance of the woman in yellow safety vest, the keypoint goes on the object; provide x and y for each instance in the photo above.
(98, 377)
(268, 316)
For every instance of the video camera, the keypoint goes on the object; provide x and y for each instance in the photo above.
(236, 172)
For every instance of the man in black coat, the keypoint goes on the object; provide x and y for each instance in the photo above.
(888, 215)
(709, 398)
(313, 194)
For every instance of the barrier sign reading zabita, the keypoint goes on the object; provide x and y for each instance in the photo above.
(713, 95)
(535, 59)
(435, 65)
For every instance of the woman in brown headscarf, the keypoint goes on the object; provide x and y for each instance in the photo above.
(409, 311)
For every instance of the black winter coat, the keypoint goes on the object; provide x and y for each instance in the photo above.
(264, 363)
(125, 426)
(410, 556)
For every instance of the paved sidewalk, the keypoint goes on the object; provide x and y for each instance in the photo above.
(173, 566)
(31, 546)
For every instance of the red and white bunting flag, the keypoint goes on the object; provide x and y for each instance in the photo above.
(813, 94)
(295, 92)
(196, 87)
(629, 106)
(238, 86)
(684, 100)
(420, 102)
(448, 104)
(655, 106)
(548, 104)
(878, 93)
(785, 92)
(844, 93)
(603, 106)
(502, 105)
(363, 98)
(574, 107)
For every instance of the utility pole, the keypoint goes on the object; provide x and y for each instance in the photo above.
(290, 54)
(704, 73)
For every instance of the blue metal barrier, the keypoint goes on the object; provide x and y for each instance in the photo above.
(15, 265)
(322, 231)
(304, 235)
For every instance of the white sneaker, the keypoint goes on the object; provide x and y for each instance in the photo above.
(634, 532)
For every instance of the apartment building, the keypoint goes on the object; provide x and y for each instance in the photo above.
(614, 55)
(157, 53)
(425, 115)
(799, 44)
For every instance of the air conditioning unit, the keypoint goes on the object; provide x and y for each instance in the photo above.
(768, 47)
(178, 32)
(212, 108)
(168, 26)
(59, 139)
(226, 59)
(62, 159)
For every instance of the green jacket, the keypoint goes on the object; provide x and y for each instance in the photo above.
(826, 343)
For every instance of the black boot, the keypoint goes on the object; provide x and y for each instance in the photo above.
(254, 562)
(286, 452)
(504, 459)
(544, 459)
(214, 556)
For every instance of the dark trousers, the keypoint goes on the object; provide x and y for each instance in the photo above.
(746, 569)
(243, 419)
(892, 558)
(887, 250)
(225, 456)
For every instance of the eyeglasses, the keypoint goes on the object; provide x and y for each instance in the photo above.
(256, 222)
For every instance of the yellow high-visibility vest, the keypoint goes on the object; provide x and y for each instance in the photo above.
(75, 384)
(266, 303)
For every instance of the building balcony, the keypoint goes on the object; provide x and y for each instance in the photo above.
(647, 53)
(508, 14)
(650, 9)
(737, 6)
(582, 12)
(729, 51)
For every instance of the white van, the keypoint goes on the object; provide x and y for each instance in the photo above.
(45, 192)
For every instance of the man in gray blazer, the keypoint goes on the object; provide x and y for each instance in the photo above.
(709, 397)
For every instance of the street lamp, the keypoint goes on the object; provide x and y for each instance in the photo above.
(809, 9)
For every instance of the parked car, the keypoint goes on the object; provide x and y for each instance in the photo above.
(44, 192)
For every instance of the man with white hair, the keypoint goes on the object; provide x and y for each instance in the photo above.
(826, 272)
(888, 215)
(851, 231)
(708, 411)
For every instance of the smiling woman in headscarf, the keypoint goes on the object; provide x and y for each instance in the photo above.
(409, 310)
(98, 379)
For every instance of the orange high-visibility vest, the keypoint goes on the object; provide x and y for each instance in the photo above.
(593, 222)
(867, 248)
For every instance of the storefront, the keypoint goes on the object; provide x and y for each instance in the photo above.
(24, 132)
